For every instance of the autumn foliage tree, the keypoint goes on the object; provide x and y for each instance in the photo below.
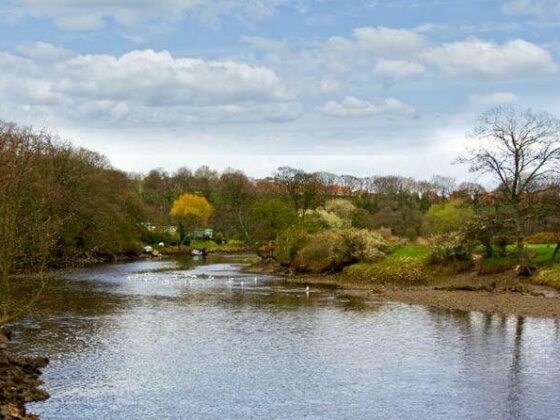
(191, 212)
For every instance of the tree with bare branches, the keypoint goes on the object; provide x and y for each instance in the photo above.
(26, 227)
(520, 149)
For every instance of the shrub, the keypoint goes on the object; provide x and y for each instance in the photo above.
(318, 254)
(450, 249)
(332, 251)
(332, 220)
(288, 243)
(341, 207)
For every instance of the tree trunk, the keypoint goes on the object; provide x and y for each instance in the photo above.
(521, 254)
(555, 253)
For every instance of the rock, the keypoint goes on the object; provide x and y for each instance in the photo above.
(4, 342)
(20, 379)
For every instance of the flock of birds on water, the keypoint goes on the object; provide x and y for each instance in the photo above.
(188, 279)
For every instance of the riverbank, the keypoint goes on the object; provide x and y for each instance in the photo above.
(504, 293)
(19, 382)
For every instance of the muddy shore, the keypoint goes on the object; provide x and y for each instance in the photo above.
(504, 293)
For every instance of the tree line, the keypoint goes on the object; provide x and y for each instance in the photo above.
(60, 204)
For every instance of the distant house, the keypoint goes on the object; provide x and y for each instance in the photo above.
(203, 233)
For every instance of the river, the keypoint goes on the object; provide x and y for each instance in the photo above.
(186, 339)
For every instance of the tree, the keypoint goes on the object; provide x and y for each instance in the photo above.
(191, 211)
(232, 201)
(270, 217)
(520, 150)
(304, 189)
(26, 230)
(447, 217)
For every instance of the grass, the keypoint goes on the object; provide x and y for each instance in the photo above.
(230, 246)
(538, 254)
(405, 265)
(543, 253)
(411, 251)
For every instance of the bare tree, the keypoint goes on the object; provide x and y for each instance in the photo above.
(25, 227)
(520, 149)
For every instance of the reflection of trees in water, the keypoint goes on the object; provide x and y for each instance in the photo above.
(514, 388)
(70, 315)
(489, 351)
(276, 300)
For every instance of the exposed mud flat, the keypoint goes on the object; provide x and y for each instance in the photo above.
(504, 293)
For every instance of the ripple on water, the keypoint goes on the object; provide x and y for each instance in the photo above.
(153, 340)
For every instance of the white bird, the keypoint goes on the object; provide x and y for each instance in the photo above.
(307, 289)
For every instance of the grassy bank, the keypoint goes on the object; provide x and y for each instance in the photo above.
(405, 275)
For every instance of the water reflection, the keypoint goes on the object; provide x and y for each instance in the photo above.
(201, 339)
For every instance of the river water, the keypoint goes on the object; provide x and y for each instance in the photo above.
(201, 340)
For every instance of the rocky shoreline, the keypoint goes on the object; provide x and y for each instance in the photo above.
(20, 382)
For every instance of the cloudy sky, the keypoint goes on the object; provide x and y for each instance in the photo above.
(349, 86)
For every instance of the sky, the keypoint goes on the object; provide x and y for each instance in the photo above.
(359, 87)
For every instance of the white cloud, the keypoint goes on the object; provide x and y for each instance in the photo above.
(478, 58)
(392, 70)
(351, 106)
(396, 54)
(493, 99)
(329, 85)
(43, 51)
(371, 43)
(93, 14)
(540, 8)
(143, 85)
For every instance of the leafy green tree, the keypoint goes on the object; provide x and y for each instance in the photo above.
(232, 201)
(447, 217)
(271, 217)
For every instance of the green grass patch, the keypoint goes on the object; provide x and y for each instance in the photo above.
(540, 254)
(404, 265)
(411, 251)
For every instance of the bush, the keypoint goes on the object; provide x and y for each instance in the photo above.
(343, 208)
(332, 251)
(318, 254)
(331, 220)
(288, 243)
(450, 249)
